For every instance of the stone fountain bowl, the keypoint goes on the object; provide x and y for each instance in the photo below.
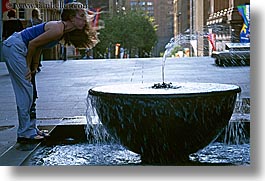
(165, 125)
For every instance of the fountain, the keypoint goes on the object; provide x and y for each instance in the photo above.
(164, 122)
(164, 125)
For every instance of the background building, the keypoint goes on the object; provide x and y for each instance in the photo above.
(225, 22)
(162, 11)
(200, 18)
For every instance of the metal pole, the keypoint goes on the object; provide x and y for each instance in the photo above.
(191, 24)
(1, 30)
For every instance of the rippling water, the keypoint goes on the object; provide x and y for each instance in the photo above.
(115, 154)
(220, 153)
(85, 154)
(232, 147)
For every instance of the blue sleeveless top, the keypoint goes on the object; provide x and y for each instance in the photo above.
(30, 33)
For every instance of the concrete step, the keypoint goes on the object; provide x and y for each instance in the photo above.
(66, 129)
(17, 153)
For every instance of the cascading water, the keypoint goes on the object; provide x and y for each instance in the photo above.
(232, 145)
(95, 131)
(225, 149)
(231, 148)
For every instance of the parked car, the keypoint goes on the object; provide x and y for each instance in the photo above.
(234, 54)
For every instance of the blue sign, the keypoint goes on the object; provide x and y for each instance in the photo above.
(244, 11)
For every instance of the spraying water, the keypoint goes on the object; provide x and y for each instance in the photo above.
(178, 41)
(169, 47)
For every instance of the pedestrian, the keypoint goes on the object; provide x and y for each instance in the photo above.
(34, 20)
(121, 53)
(11, 25)
(21, 53)
(88, 54)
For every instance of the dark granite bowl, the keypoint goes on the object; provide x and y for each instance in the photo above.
(165, 125)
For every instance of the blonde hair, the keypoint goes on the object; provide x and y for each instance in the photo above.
(85, 38)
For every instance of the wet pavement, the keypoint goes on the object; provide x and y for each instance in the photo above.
(63, 85)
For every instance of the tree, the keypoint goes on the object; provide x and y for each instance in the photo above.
(134, 30)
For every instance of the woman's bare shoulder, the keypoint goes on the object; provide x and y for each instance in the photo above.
(55, 26)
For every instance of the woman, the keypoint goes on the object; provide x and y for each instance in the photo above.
(35, 18)
(21, 52)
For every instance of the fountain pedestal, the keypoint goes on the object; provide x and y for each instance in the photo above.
(165, 125)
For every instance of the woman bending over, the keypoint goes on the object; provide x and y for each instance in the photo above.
(21, 53)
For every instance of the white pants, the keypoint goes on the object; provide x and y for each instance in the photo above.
(14, 53)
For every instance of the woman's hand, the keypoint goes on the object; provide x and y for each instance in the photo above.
(29, 74)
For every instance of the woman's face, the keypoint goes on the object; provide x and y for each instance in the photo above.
(80, 19)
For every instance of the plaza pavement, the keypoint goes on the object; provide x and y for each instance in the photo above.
(63, 85)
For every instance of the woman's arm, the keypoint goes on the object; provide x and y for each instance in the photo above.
(36, 60)
(53, 31)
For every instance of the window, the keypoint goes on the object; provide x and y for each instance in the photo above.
(21, 13)
(149, 3)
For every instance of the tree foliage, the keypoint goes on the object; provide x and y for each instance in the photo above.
(133, 30)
